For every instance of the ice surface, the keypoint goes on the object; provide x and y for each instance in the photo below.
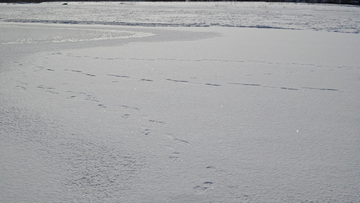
(100, 113)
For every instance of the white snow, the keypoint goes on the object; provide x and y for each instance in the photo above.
(195, 105)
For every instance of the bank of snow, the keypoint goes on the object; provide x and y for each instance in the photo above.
(302, 16)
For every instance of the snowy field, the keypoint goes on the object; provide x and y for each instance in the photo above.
(179, 102)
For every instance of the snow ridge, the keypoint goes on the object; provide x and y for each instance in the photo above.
(109, 23)
(139, 24)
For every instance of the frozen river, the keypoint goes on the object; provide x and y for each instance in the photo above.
(179, 102)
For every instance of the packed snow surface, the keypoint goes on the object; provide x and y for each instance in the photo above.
(179, 102)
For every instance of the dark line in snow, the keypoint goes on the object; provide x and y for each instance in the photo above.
(109, 23)
(140, 24)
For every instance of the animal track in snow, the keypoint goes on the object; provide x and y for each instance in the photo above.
(126, 116)
(18, 86)
(177, 140)
(89, 74)
(210, 84)
(166, 59)
(47, 89)
(84, 96)
(244, 84)
(174, 155)
(79, 71)
(326, 89)
(219, 171)
(22, 85)
(187, 82)
(177, 80)
(129, 107)
(102, 105)
(118, 76)
(285, 88)
(202, 188)
(146, 80)
(180, 141)
(146, 132)
(52, 92)
(76, 71)
(155, 121)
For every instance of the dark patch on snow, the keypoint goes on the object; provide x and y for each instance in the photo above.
(108, 23)
(177, 80)
(211, 84)
(118, 76)
(324, 89)
(246, 84)
(146, 80)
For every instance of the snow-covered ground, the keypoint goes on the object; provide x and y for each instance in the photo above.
(300, 16)
(179, 102)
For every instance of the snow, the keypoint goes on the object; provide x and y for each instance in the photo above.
(319, 17)
(178, 109)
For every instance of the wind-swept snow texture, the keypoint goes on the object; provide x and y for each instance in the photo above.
(192, 113)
